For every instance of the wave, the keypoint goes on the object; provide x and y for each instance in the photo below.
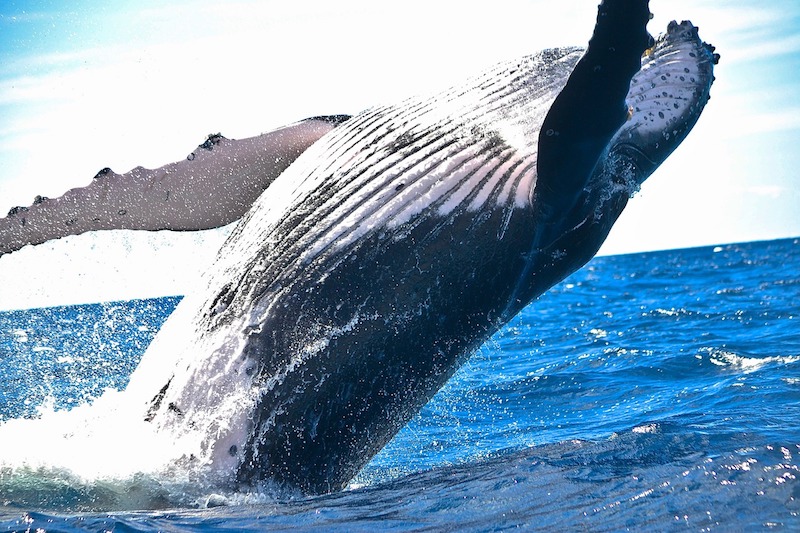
(648, 476)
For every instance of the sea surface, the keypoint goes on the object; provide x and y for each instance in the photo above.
(655, 391)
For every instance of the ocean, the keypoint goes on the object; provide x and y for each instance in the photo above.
(653, 391)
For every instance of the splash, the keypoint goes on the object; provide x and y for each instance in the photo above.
(100, 454)
(746, 364)
(103, 456)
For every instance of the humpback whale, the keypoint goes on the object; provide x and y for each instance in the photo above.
(394, 246)
(400, 240)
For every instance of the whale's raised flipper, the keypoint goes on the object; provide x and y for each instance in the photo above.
(215, 185)
(664, 101)
(591, 107)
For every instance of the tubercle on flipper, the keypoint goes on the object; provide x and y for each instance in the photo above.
(693, 32)
(711, 50)
(103, 172)
(39, 199)
(212, 140)
(14, 211)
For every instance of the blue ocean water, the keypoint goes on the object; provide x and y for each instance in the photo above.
(653, 391)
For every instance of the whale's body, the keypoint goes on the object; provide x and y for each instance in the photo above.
(392, 248)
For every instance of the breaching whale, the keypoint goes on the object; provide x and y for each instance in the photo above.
(396, 244)
(393, 247)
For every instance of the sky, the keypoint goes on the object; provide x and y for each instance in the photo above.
(91, 84)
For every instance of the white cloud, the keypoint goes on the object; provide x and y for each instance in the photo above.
(773, 121)
(773, 48)
(769, 191)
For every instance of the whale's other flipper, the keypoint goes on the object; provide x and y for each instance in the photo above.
(665, 98)
(215, 185)
(591, 107)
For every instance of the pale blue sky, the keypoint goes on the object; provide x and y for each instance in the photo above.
(90, 84)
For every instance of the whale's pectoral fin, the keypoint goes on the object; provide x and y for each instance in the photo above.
(215, 185)
(591, 107)
(665, 99)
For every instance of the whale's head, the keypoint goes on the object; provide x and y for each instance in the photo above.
(665, 100)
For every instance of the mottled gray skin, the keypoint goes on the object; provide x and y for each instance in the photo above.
(214, 186)
(355, 287)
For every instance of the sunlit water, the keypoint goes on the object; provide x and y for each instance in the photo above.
(647, 391)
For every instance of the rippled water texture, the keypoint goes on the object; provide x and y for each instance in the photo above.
(647, 391)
